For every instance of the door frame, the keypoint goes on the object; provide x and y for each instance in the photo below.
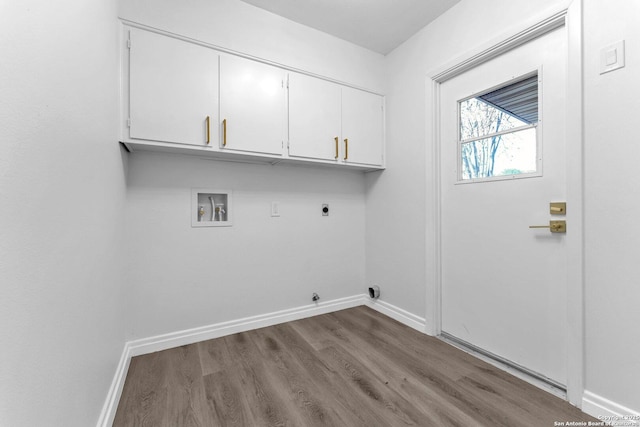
(570, 17)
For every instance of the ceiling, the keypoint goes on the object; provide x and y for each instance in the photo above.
(378, 25)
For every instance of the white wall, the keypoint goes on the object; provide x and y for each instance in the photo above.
(61, 209)
(612, 103)
(399, 249)
(182, 277)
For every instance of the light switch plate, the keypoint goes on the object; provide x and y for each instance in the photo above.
(612, 57)
(275, 209)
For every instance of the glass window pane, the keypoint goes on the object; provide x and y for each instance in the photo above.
(478, 118)
(509, 154)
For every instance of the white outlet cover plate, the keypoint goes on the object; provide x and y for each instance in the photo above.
(612, 57)
(275, 209)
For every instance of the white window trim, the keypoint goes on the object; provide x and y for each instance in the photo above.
(538, 126)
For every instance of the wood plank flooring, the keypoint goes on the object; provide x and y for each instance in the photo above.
(354, 367)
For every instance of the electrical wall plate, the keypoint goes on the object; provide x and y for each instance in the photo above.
(612, 57)
(325, 209)
(211, 207)
(275, 209)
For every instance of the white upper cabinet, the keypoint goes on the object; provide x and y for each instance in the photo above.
(173, 90)
(328, 121)
(362, 127)
(314, 118)
(252, 106)
(183, 96)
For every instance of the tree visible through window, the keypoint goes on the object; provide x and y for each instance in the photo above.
(498, 131)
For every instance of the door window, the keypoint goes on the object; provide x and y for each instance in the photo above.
(498, 132)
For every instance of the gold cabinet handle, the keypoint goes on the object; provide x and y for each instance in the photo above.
(554, 226)
(224, 133)
(208, 129)
(336, 138)
(346, 148)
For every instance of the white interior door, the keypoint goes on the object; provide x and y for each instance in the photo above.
(504, 284)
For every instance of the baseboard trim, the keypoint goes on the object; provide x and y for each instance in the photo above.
(409, 319)
(203, 333)
(108, 413)
(609, 411)
(190, 336)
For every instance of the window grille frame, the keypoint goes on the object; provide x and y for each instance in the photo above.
(538, 126)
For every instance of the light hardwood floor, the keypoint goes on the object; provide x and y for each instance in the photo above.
(354, 367)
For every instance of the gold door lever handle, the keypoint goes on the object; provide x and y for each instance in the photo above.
(554, 226)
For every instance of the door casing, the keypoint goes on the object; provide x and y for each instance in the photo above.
(569, 16)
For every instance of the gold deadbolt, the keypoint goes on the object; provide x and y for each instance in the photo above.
(558, 208)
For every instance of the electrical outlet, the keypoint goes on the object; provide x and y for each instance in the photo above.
(325, 209)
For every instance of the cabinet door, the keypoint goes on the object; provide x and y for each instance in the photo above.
(314, 118)
(362, 127)
(173, 88)
(252, 106)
